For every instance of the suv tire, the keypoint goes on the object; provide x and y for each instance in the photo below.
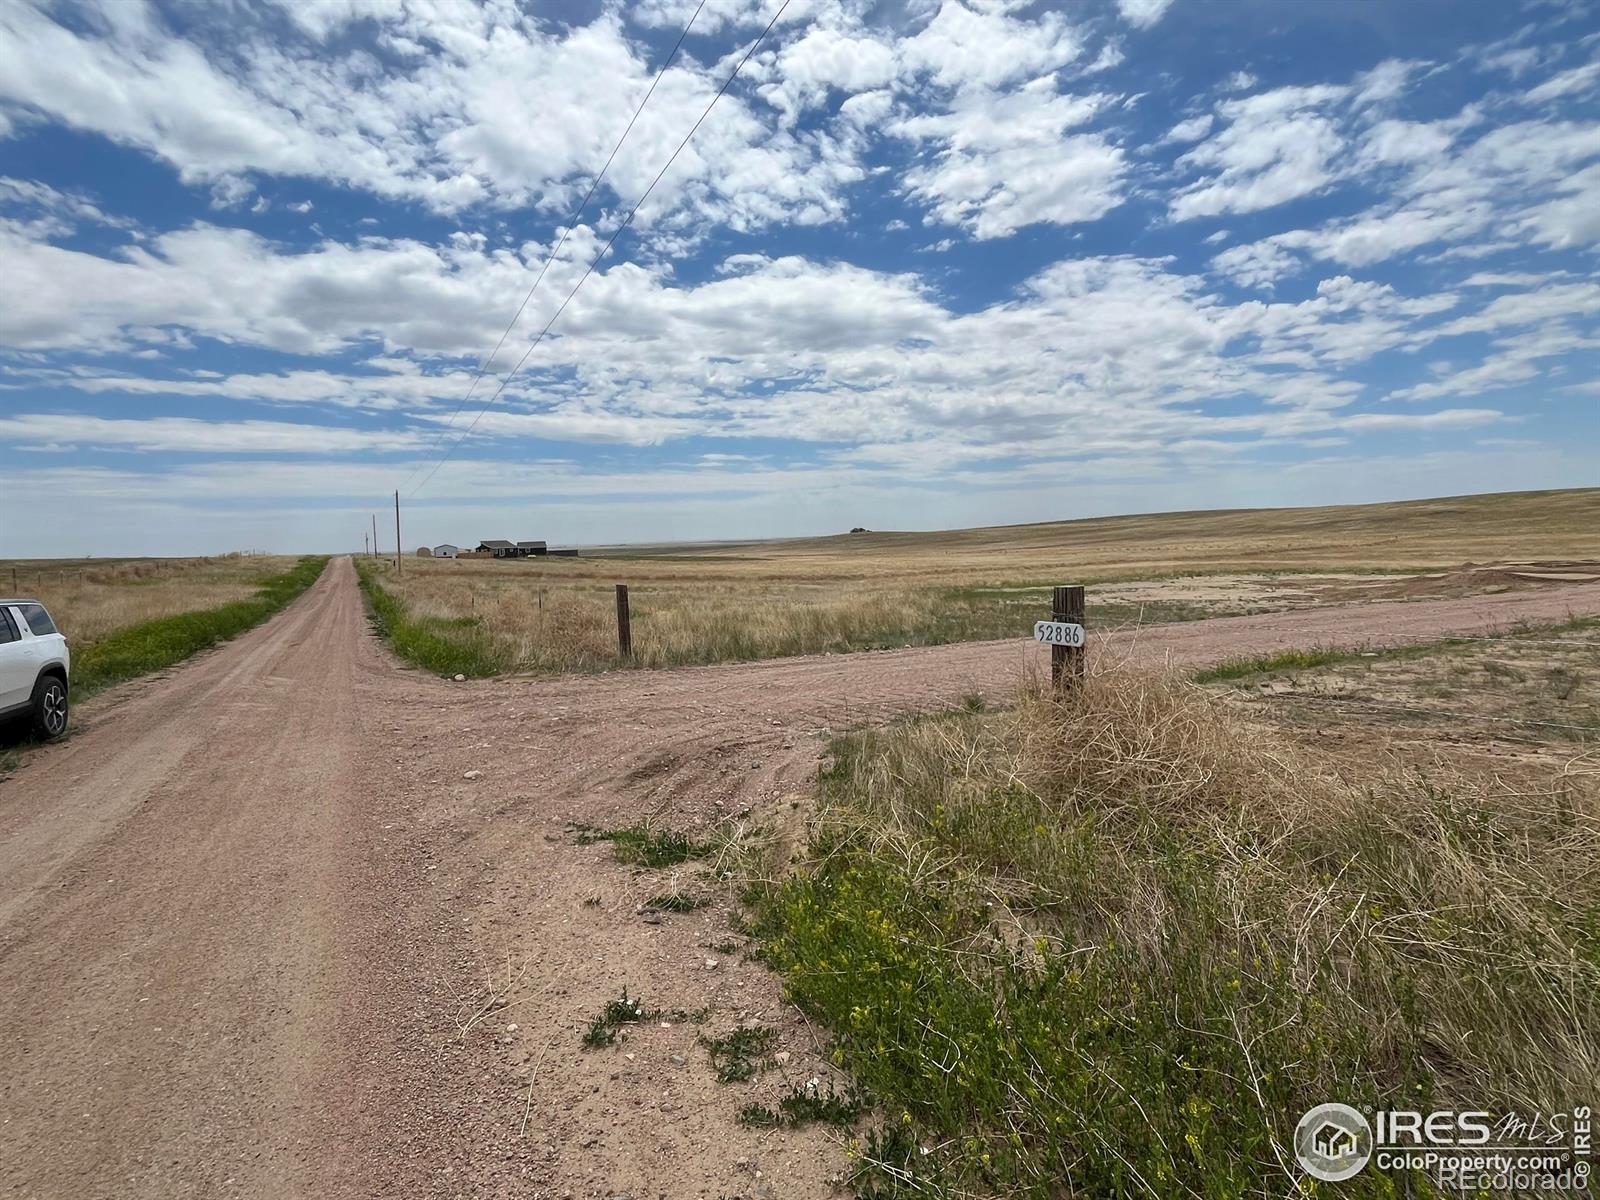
(50, 707)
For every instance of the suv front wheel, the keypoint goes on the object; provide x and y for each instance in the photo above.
(50, 707)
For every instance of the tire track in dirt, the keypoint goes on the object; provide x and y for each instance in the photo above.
(246, 909)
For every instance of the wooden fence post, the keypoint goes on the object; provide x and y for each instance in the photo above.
(1067, 662)
(624, 629)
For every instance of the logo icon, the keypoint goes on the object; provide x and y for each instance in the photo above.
(1333, 1142)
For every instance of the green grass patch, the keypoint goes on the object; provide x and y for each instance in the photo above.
(443, 645)
(616, 1016)
(1118, 947)
(759, 1116)
(741, 1054)
(641, 846)
(1264, 664)
(1305, 660)
(807, 1104)
(166, 641)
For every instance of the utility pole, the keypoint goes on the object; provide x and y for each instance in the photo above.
(397, 567)
(366, 552)
(374, 535)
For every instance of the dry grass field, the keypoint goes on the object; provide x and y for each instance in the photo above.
(733, 601)
(1525, 700)
(127, 617)
(90, 599)
(1197, 923)
(1514, 526)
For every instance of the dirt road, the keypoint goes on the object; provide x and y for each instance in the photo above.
(291, 921)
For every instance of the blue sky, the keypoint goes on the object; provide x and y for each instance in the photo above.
(924, 265)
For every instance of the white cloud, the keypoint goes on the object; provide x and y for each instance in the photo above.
(186, 435)
(784, 348)
(1516, 360)
(1008, 160)
(1256, 264)
(397, 385)
(1565, 83)
(1529, 308)
(1274, 147)
(963, 47)
(1524, 179)
(231, 191)
(38, 212)
(1142, 14)
(500, 109)
(1191, 130)
(1572, 217)
(827, 60)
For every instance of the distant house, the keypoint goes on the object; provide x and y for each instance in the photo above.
(446, 551)
(562, 553)
(504, 549)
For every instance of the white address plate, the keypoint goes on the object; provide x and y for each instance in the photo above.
(1058, 633)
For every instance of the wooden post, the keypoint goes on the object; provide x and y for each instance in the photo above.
(397, 568)
(1067, 662)
(624, 628)
(374, 535)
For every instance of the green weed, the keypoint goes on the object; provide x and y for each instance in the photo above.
(639, 845)
(615, 1016)
(759, 1116)
(805, 1104)
(1262, 664)
(740, 1055)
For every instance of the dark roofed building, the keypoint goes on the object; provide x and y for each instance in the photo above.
(504, 549)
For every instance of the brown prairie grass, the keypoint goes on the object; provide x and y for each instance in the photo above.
(562, 617)
(1442, 532)
(1118, 945)
(1525, 697)
(90, 600)
(876, 591)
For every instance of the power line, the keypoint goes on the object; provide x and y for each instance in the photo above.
(572, 222)
(606, 249)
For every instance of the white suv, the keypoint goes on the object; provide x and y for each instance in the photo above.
(34, 667)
